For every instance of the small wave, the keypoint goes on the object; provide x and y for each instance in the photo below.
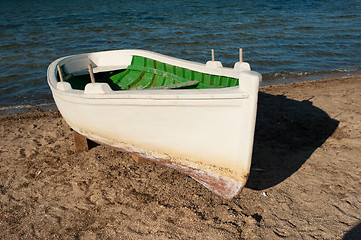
(2, 108)
(284, 77)
(6, 109)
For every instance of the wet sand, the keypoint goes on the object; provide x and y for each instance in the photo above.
(305, 181)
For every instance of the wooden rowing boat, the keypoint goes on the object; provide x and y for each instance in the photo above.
(197, 118)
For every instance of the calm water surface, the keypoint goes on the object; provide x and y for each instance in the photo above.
(283, 40)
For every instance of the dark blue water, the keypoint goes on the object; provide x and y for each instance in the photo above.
(283, 40)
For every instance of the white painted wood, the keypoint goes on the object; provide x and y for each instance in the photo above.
(210, 130)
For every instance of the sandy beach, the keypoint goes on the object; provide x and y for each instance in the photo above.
(305, 181)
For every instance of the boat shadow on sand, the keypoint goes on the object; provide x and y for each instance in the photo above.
(287, 133)
(354, 233)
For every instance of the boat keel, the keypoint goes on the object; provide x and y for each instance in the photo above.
(220, 185)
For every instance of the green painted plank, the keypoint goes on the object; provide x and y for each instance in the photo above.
(150, 63)
(234, 82)
(117, 78)
(198, 76)
(188, 74)
(226, 82)
(160, 66)
(131, 78)
(179, 72)
(145, 80)
(207, 79)
(168, 81)
(136, 60)
(158, 81)
(223, 81)
(216, 80)
(169, 68)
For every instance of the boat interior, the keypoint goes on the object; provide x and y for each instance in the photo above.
(146, 73)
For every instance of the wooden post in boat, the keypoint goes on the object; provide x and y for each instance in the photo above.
(240, 55)
(80, 142)
(92, 78)
(60, 74)
(213, 64)
(138, 159)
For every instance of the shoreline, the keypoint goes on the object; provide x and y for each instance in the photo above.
(304, 182)
(47, 103)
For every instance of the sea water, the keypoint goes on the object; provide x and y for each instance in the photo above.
(284, 40)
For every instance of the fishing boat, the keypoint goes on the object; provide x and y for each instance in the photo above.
(194, 117)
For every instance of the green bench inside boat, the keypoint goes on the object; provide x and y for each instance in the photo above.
(145, 73)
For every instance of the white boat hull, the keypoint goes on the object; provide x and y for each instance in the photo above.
(206, 133)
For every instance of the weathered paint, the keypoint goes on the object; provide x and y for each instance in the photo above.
(222, 186)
